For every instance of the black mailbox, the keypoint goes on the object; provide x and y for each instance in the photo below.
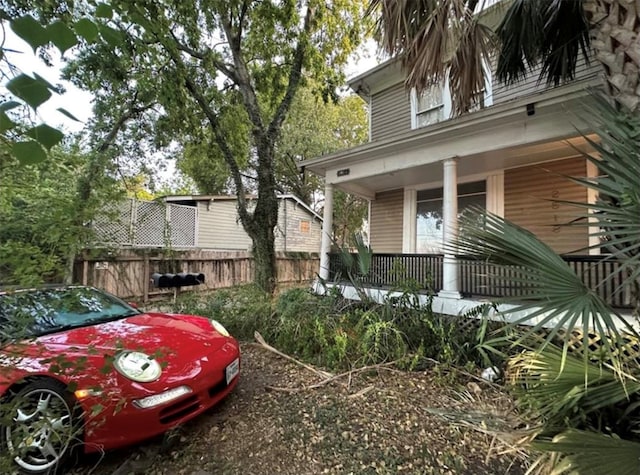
(164, 281)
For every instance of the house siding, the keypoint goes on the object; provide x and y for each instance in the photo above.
(386, 221)
(531, 85)
(300, 237)
(390, 112)
(528, 192)
(219, 227)
(391, 108)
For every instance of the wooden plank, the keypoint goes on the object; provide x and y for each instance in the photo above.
(386, 221)
(528, 202)
(127, 274)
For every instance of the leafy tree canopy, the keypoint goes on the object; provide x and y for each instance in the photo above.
(219, 74)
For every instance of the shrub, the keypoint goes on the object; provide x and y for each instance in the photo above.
(339, 334)
(242, 310)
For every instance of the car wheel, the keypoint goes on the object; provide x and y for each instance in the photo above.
(39, 428)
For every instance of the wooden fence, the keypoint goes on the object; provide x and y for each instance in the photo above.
(127, 273)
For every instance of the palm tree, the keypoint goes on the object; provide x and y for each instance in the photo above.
(440, 38)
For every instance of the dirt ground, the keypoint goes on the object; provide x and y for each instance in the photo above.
(379, 421)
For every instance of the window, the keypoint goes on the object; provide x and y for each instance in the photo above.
(429, 225)
(433, 105)
(430, 106)
(305, 226)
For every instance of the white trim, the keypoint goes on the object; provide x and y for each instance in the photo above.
(445, 105)
(456, 307)
(592, 196)
(495, 193)
(450, 277)
(370, 117)
(461, 181)
(488, 83)
(369, 222)
(414, 108)
(446, 99)
(327, 237)
(409, 211)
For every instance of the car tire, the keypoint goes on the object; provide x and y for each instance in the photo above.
(40, 427)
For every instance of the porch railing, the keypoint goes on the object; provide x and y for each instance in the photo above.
(477, 277)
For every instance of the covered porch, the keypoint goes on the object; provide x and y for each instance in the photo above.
(512, 159)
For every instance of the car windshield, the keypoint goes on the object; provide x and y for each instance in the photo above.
(25, 313)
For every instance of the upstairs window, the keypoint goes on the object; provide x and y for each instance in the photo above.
(433, 105)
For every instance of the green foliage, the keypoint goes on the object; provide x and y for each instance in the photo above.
(590, 453)
(26, 142)
(315, 127)
(242, 310)
(218, 78)
(338, 334)
(41, 220)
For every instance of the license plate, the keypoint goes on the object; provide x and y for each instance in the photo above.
(232, 370)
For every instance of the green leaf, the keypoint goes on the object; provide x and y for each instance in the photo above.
(591, 453)
(96, 409)
(61, 36)
(30, 30)
(42, 80)
(5, 122)
(86, 29)
(68, 114)
(6, 106)
(104, 10)
(111, 35)
(33, 91)
(46, 135)
(29, 152)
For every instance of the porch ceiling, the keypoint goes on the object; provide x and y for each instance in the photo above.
(469, 166)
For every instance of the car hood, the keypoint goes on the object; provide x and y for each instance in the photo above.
(152, 333)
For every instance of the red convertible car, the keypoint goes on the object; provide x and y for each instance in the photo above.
(81, 369)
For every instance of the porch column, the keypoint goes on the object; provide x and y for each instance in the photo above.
(450, 285)
(327, 226)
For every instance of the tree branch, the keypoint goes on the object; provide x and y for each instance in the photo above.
(130, 112)
(244, 80)
(224, 68)
(294, 77)
(212, 117)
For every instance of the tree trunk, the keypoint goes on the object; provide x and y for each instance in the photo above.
(264, 256)
(264, 220)
(617, 46)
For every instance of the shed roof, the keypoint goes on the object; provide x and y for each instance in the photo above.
(211, 198)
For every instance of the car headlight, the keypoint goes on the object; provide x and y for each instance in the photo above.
(137, 366)
(217, 326)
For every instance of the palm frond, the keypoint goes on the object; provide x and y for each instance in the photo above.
(548, 292)
(552, 33)
(467, 70)
(590, 453)
(520, 39)
(616, 213)
(564, 389)
(437, 39)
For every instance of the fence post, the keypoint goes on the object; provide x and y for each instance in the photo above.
(147, 278)
(85, 269)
